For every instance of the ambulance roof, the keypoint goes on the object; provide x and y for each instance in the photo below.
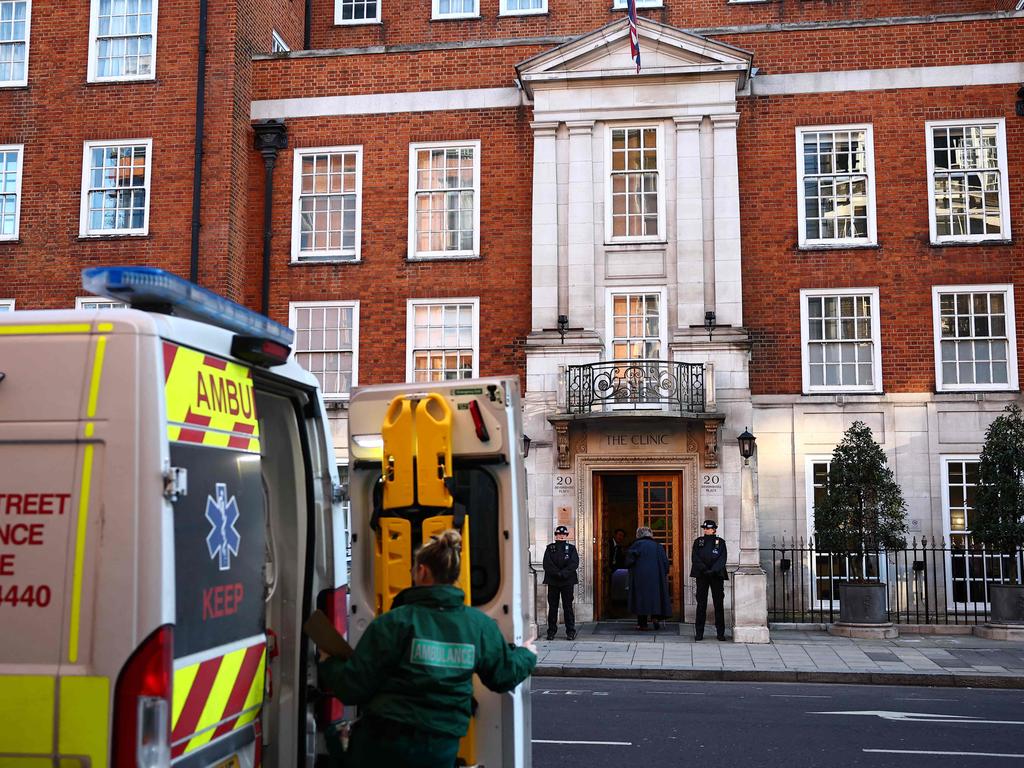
(190, 333)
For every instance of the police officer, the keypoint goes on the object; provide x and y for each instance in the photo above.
(560, 563)
(709, 557)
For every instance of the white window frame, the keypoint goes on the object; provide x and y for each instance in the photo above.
(277, 43)
(6, 305)
(505, 11)
(84, 230)
(340, 254)
(410, 330)
(609, 226)
(876, 339)
(869, 159)
(620, 5)
(630, 290)
(354, 306)
(82, 301)
(94, 19)
(948, 532)
(338, 20)
(20, 149)
(413, 254)
(435, 11)
(1004, 187)
(28, 46)
(1011, 338)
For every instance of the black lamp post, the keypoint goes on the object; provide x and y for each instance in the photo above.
(709, 323)
(746, 441)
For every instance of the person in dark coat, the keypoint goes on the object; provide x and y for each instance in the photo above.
(709, 557)
(648, 579)
(617, 555)
(561, 560)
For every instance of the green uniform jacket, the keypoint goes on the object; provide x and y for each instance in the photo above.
(415, 663)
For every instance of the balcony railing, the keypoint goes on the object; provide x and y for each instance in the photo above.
(635, 385)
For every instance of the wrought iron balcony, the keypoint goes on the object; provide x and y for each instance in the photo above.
(635, 385)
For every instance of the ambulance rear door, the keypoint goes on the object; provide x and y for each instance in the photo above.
(220, 645)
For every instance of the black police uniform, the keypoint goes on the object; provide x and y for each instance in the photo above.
(709, 558)
(560, 563)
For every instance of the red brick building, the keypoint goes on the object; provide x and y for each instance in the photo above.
(801, 211)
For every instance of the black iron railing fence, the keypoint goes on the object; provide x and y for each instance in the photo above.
(636, 384)
(928, 582)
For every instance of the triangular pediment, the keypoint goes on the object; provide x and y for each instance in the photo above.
(664, 50)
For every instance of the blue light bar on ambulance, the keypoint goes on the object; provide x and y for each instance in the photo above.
(152, 287)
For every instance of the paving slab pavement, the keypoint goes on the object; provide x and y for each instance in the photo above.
(804, 655)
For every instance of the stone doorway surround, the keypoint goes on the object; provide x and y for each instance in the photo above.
(584, 468)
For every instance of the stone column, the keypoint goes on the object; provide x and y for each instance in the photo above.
(689, 223)
(580, 240)
(728, 285)
(749, 583)
(545, 227)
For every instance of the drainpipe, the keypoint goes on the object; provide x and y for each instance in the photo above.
(197, 169)
(307, 30)
(271, 138)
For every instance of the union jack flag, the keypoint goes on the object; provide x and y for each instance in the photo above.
(634, 37)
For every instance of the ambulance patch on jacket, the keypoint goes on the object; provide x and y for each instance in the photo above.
(431, 653)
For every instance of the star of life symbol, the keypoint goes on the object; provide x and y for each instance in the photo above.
(223, 539)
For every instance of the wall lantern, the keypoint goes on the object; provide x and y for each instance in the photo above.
(563, 326)
(709, 323)
(526, 445)
(746, 441)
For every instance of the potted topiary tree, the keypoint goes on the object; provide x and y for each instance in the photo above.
(862, 515)
(998, 521)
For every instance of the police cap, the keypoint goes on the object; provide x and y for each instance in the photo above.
(561, 529)
(709, 524)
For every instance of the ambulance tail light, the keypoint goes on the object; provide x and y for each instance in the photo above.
(333, 602)
(142, 704)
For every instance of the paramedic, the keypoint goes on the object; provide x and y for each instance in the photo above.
(412, 672)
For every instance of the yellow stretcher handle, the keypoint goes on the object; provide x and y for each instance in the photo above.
(393, 561)
(433, 451)
(399, 438)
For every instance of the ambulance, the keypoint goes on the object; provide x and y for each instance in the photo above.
(168, 516)
(430, 456)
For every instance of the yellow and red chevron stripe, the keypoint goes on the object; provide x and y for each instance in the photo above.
(209, 400)
(215, 696)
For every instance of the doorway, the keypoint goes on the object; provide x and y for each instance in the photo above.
(627, 501)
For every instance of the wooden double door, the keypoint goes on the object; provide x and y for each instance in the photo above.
(627, 501)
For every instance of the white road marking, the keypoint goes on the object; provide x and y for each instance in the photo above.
(949, 754)
(921, 698)
(924, 717)
(595, 743)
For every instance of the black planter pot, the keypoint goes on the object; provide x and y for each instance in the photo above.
(1007, 603)
(862, 603)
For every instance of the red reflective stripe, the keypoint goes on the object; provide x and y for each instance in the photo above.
(197, 418)
(244, 428)
(238, 442)
(197, 696)
(246, 675)
(191, 435)
(215, 362)
(170, 351)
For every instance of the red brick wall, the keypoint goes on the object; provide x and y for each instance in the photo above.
(904, 267)
(384, 279)
(411, 22)
(56, 113)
